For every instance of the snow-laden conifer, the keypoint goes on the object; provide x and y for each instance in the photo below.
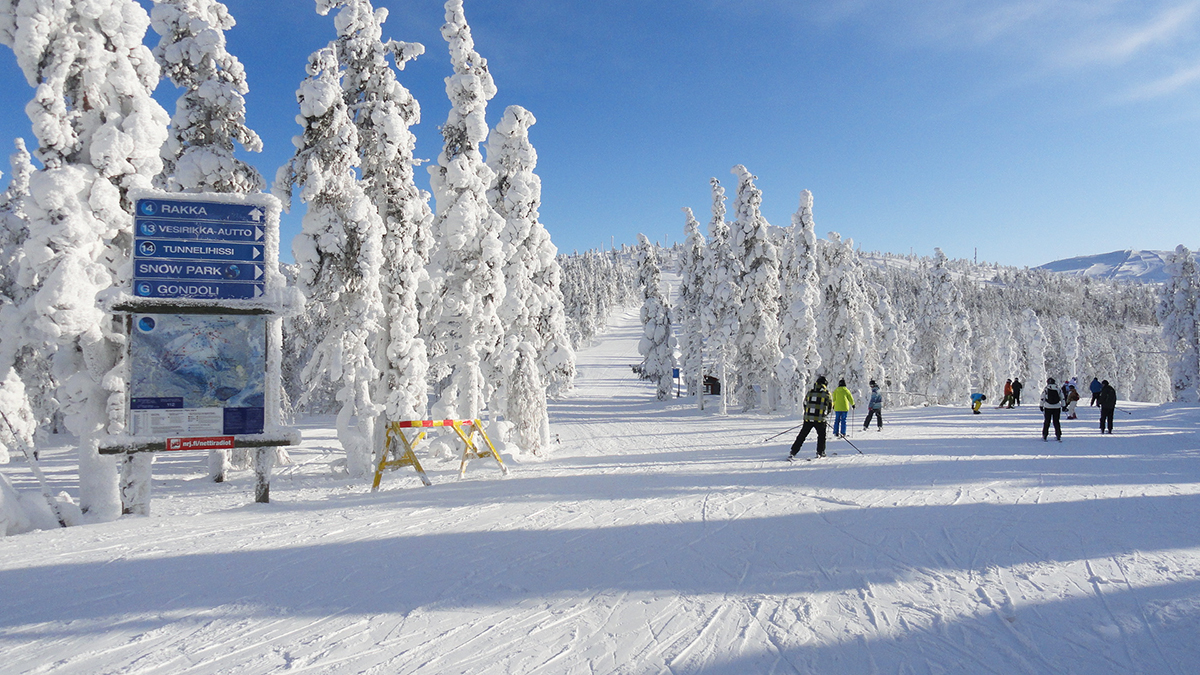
(657, 345)
(758, 317)
(532, 311)
(468, 259)
(383, 111)
(1177, 312)
(693, 263)
(210, 115)
(950, 332)
(722, 286)
(22, 348)
(801, 301)
(99, 133)
(1032, 359)
(846, 324)
(338, 252)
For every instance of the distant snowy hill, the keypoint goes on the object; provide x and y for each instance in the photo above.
(1144, 266)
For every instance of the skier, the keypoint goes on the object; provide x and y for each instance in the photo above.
(1108, 405)
(1072, 401)
(1051, 407)
(874, 407)
(843, 401)
(1008, 394)
(817, 405)
(977, 400)
(1095, 387)
(1017, 387)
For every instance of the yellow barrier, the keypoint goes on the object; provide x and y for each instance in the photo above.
(409, 458)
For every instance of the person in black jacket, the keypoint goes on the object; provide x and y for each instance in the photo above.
(817, 405)
(1051, 406)
(1108, 405)
(1017, 387)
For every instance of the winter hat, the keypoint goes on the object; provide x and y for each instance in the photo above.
(841, 383)
(1050, 380)
(821, 380)
(1105, 382)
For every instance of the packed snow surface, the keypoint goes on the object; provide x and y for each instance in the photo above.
(654, 539)
(1147, 266)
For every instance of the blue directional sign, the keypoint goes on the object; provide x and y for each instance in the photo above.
(176, 249)
(199, 230)
(146, 268)
(207, 290)
(205, 211)
(193, 249)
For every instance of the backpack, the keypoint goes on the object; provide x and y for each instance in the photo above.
(1052, 396)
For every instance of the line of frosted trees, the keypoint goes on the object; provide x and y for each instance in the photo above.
(766, 309)
(413, 310)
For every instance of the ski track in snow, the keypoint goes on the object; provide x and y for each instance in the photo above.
(655, 538)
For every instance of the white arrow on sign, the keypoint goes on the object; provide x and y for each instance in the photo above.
(258, 233)
(257, 252)
(258, 272)
(256, 215)
(258, 291)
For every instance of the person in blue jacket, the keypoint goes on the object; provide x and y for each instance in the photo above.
(977, 400)
(874, 407)
(1095, 387)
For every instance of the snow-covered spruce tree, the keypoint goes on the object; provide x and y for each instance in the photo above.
(801, 302)
(951, 332)
(339, 254)
(15, 404)
(383, 111)
(656, 346)
(99, 134)
(1032, 353)
(210, 116)
(692, 300)
(846, 324)
(1177, 312)
(467, 264)
(720, 318)
(532, 311)
(758, 316)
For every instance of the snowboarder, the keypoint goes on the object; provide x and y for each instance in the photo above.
(1008, 394)
(1017, 387)
(817, 405)
(874, 407)
(1072, 401)
(977, 400)
(1051, 407)
(1095, 387)
(1108, 405)
(843, 401)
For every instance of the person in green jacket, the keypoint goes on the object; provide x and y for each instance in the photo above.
(843, 401)
(816, 407)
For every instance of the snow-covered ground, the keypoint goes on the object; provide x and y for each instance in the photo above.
(655, 539)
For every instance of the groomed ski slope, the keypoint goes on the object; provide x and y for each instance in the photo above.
(655, 539)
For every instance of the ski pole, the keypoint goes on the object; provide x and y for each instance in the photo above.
(852, 445)
(781, 433)
(37, 470)
(1123, 410)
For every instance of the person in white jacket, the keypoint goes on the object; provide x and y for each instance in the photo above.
(1051, 406)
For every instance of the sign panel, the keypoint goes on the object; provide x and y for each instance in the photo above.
(210, 290)
(194, 249)
(199, 230)
(197, 374)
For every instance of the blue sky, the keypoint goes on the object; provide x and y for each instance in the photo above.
(1030, 130)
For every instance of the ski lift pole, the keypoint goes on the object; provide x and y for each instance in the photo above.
(37, 471)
